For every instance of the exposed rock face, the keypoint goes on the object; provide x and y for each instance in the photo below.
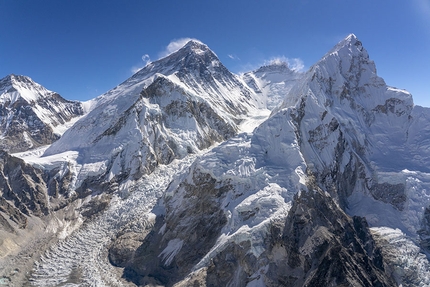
(289, 204)
(181, 239)
(317, 244)
(172, 107)
(322, 246)
(27, 190)
(325, 140)
(29, 114)
(24, 187)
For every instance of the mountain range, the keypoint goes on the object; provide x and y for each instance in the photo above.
(187, 174)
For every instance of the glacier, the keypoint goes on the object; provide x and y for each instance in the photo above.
(186, 174)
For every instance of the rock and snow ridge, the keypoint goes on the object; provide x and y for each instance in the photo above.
(283, 205)
(272, 82)
(315, 160)
(32, 116)
(170, 108)
(178, 105)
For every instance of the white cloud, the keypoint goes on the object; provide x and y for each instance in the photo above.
(174, 46)
(233, 57)
(295, 64)
(146, 60)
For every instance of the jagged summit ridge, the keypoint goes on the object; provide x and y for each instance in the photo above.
(13, 87)
(282, 205)
(31, 115)
(174, 106)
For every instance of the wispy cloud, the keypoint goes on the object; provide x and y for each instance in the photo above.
(295, 64)
(146, 60)
(233, 57)
(174, 46)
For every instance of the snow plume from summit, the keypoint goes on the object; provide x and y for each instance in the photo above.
(171, 48)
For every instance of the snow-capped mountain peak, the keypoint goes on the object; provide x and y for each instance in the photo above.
(196, 47)
(15, 87)
(288, 203)
(31, 115)
(174, 106)
(191, 53)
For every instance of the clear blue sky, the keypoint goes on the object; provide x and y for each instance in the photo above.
(82, 48)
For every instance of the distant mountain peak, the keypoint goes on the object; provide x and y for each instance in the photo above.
(276, 65)
(348, 59)
(192, 54)
(18, 79)
(350, 44)
(13, 87)
(195, 44)
(30, 114)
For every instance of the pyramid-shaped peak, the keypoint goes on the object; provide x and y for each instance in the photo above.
(193, 43)
(194, 46)
(350, 40)
(351, 37)
(351, 44)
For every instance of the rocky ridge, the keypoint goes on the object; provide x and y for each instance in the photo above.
(295, 194)
(332, 180)
(31, 115)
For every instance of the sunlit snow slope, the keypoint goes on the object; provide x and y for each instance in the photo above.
(177, 178)
(170, 108)
(281, 206)
(272, 82)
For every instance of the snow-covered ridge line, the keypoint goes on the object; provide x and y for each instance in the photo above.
(32, 116)
(316, 193)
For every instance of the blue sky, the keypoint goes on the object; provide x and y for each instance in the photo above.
(83, 48)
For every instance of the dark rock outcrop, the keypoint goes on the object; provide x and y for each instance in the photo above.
(322, 246)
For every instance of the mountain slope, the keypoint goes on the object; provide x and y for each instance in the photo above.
(289, 204)
(30, 115)
(330, 190)
(174, 106)
(272, 82)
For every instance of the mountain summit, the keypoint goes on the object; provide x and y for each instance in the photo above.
(299, 199)
(177, 105)
(188, 175)
(31, 115)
